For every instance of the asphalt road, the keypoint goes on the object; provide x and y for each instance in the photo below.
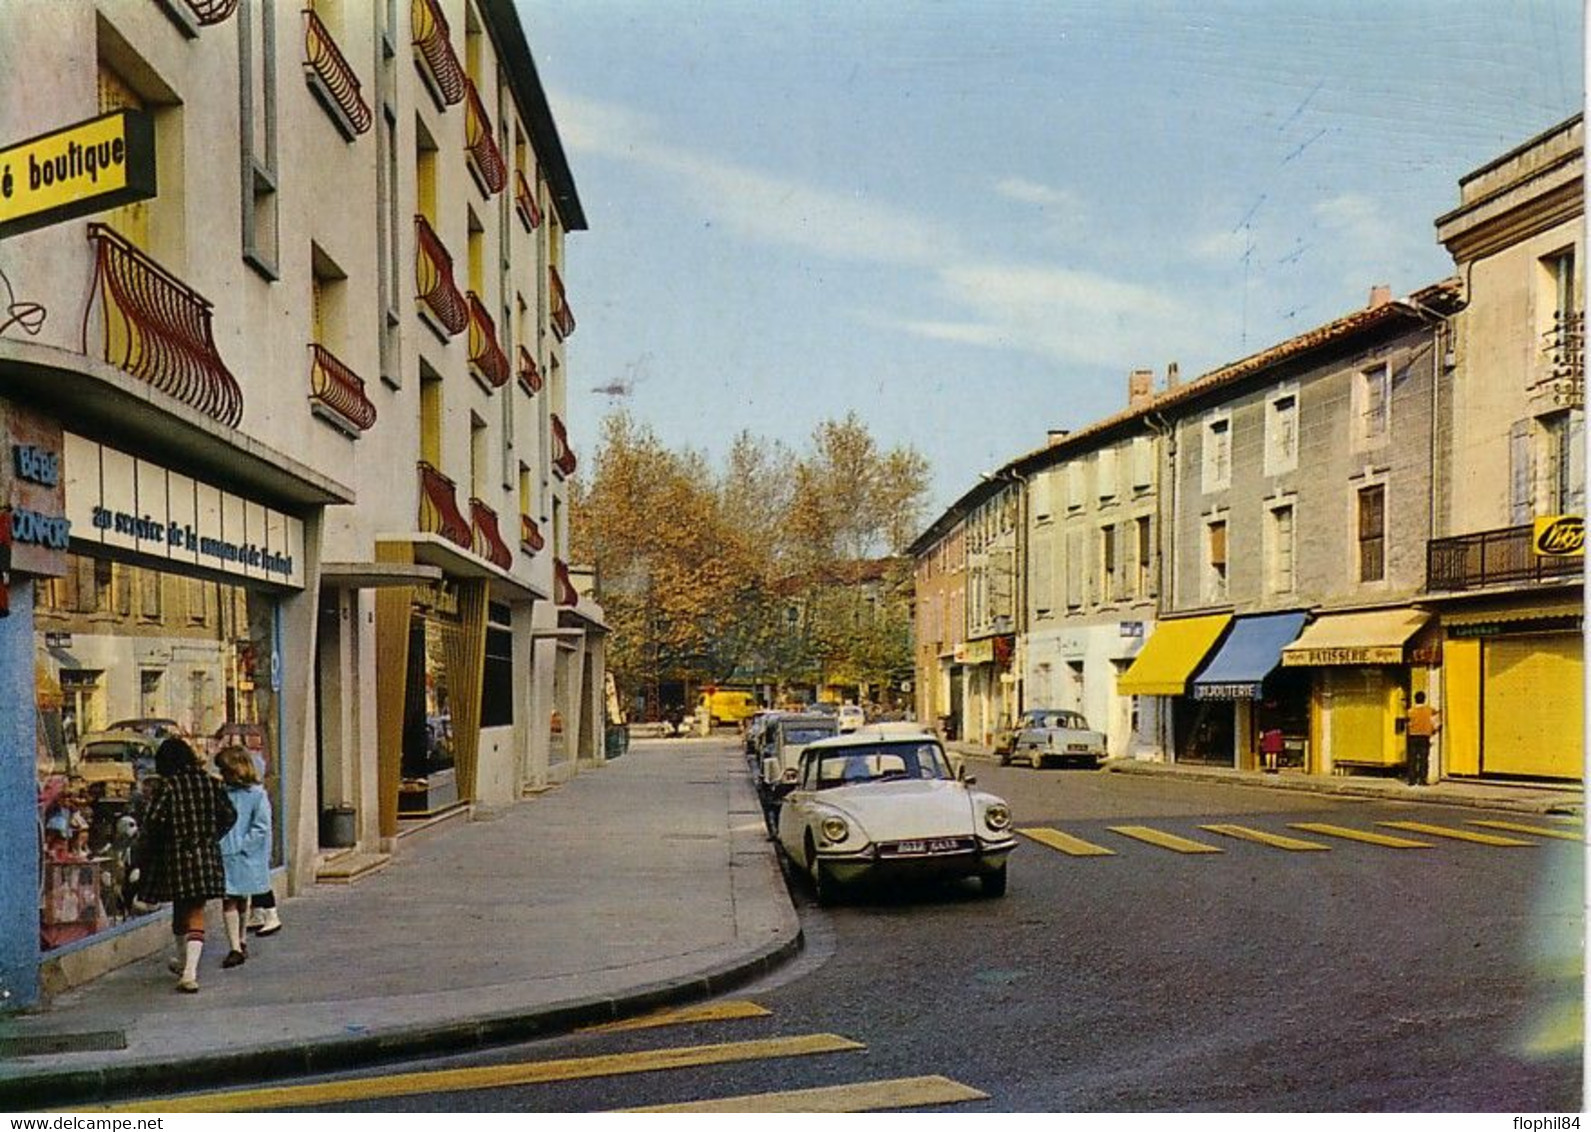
(1360, 977)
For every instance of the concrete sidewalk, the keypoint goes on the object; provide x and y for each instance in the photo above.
(644, 881)
(1516, 797)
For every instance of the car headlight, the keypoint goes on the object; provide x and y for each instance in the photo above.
(997, 817)
(834, 829)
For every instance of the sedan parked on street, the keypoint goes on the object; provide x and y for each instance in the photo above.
(1045, 735)
(873, 806)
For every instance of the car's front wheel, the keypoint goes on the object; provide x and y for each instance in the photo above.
(993, 883)
(825, 890)
(1035, 760)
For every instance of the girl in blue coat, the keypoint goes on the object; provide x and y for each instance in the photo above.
(246, 850)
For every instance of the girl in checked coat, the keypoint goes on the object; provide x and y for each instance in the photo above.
(246, 849)
(182, 829)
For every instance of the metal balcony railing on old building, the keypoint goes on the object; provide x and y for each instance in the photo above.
(1506, 556)
(439, 508)
(488, 541)
(563, 587)
(529, 372)
(525, 202)
(337, 394)
(332, 80)
(211, 12)
(433, 53)
(1562, 366)
(486, 356)
(486, 159)
(433, 276)
(563, 457)
(157, 328)
(530, 537)
(563, 319)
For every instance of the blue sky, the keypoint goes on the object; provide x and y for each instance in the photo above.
(967, 221)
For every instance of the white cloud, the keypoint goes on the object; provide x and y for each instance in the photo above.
(1031, 192)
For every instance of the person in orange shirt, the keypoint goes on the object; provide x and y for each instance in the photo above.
(1422, 725)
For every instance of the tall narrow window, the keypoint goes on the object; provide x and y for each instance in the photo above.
(431, 419)
(425, 173)
(1217, 454)
(1281, 434)
(477, 457)
(1281, 549)
(131, 220)
(1215, 571)
(1107, 563)
(1372, 533)
(1374, 403)
(1144, 558)
(257, 117)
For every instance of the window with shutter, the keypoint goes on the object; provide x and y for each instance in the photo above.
(1372, 533)
(1521, 503)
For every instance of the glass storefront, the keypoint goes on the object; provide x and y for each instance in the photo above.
(124, 656)
(429, 782)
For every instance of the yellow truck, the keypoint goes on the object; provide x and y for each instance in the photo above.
(727, 705)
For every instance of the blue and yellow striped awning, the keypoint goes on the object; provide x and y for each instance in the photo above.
(1172, 654)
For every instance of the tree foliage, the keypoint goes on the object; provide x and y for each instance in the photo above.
(765, 569)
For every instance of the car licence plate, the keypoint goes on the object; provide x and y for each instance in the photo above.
(918, 848)
(1077, 748)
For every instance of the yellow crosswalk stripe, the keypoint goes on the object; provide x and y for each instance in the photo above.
(1164, 840)
(866, 1096)
(684, 1015)
(1533, 830)
(492, 1076)
(1456, 834)
(1066, 843)
(1244, 833)
(1384, 839)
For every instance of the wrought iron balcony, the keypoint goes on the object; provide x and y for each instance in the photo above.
(486, 159)
(530, 537)
(434, 56)
(211, 12)
(1562, 366)
(488, 543)
(529, 373)
(337, 394)
(157, 328)
(563, 587)
(439, 508)
(332, 80)
(525, 202)
(563, 319)
(486, 356)
(1506, 556)
(433, 275)
(563, 457)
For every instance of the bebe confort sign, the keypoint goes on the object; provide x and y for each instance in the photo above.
(89, 167)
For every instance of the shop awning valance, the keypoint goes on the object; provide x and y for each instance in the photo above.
(1172, 653)
(1494, 615)
(1376, 637)
(1251, 651)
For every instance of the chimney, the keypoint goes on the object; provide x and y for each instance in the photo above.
(1140, 387)
(1380, 295)
(1173, 375)
(1054, 436)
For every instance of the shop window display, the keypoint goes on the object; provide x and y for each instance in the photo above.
(429, 783)
(121, 663)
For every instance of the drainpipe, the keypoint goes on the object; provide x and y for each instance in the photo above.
(1165, 564)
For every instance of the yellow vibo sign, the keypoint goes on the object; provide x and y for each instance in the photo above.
(1560, 536)
(89, 167)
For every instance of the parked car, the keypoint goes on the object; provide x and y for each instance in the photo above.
(851, 717)
(875, 806)
(118, 758)
(751, 735)
(784, 737)
(1046, 735)
(157, 728)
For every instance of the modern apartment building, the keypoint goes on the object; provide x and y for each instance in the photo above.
(286, 455)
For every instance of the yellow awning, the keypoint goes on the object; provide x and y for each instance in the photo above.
(1171, 654)
(1376, 637)
(1541, 611)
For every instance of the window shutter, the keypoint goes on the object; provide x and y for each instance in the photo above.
(1218, 544)
(1521, 502)
(1041, 496)
(1575, 493)
(1143, 461)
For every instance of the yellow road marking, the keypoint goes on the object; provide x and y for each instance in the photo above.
(492, 1076)
(1533, 830)
(1066, 843)
(1364, 835)
(1164, 840)
(1455, 834)
(1243, 833)
(867, 1096)
(708, 1012)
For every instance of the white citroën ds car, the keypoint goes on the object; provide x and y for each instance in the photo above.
(877, 804)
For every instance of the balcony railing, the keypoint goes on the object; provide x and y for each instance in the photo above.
(337, 394)
(563, 587)
(563, 319)
(434, 57)
(211, 12)
(486, 159)
(486, 356)
(433, 275)
(439, 508)
(488, 542)
(529, 373)
(530, 537)
(1493, 558)
(563, 457)
(1562, 367)
(525, 202)
(157, 328)
(332, 80)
